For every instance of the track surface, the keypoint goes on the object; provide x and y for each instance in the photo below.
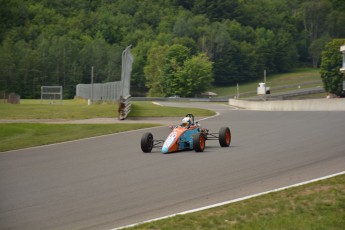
(107, 182)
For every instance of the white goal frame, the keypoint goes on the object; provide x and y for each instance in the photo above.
(51, 94)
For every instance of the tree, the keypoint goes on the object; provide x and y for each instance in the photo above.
(56, 42)
(313, 14)
(218, 9)
(196, 76)
(7, 70)
(154, 70)
(316, 47)
(172, 71)
(264, 51)
(138, 80)
(174, 62)
(331, 63)
(285, 52)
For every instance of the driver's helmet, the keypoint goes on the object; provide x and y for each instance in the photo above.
(186, 122)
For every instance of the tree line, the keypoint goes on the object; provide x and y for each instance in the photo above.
(180, 47)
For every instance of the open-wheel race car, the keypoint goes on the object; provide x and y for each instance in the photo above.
(187, 136)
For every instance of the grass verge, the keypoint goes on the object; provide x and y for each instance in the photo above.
(22, 135)
(319, 205)
(68, 110)
(76, 109)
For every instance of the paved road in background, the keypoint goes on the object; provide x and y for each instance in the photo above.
(107, 182)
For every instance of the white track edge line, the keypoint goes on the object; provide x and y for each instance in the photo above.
(232, 201)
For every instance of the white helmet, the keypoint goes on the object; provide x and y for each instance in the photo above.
(186, 122)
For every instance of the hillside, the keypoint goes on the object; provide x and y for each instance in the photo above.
(56, 42)
(299, 79)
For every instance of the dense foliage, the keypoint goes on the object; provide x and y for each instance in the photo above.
(46, 42)
(331, 63)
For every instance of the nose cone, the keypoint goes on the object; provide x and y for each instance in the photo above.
(165, 149)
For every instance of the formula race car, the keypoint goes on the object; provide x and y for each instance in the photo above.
(187, 136)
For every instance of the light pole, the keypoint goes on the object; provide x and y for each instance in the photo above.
(91, 100)
(342, 49)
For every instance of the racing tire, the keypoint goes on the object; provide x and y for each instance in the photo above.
(146, 142)
(199, 142)
(224, 137)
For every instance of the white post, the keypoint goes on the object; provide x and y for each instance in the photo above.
(265, 84)
(238, 92)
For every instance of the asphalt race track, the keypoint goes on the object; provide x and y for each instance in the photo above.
(107, 182)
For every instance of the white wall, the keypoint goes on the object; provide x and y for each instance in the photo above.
(336, 104)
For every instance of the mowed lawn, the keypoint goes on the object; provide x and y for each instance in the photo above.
(23, 135)
(319, 205)
(78, 109)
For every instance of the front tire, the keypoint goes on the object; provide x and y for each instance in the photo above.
(224, 137)
(199, 142)
(146, 142)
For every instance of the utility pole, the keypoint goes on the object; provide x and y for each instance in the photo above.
(265, 84)
(91, 85)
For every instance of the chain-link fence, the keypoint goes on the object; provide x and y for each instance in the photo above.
(110, 91)
(127, 61)
(51, 94)
(100, 91)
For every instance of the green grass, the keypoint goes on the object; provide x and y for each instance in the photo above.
(78, 109)
(319, 205)
(302, 76)
(22, 135)
(311, 96)
(68, 110)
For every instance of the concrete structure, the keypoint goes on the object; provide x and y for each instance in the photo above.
(336, 104)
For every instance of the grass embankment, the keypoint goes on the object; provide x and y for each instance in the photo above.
(302, 78)
(319, 205)
(22, 135)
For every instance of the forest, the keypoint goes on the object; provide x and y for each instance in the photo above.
(180, 46)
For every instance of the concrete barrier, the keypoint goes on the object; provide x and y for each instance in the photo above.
(336, 104)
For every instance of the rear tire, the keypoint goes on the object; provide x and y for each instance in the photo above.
(199, 142)
(224, 137)
(147, 142)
